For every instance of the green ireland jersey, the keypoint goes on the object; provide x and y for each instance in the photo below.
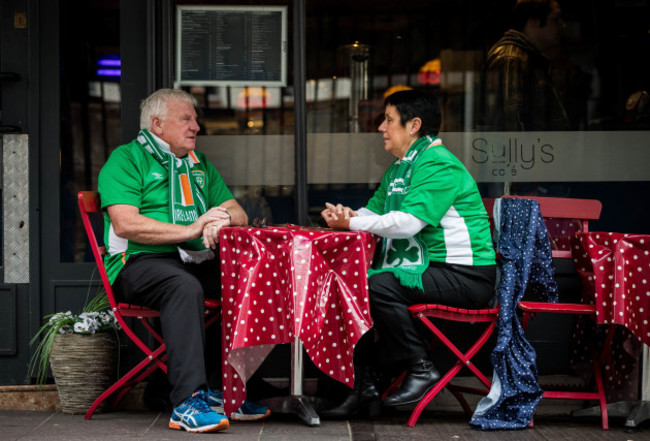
(132, 176)
(444, 194)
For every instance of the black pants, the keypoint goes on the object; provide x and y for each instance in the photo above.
(400, 339)
(164, 282)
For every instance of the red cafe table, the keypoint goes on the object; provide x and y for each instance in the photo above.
(616, 266)
(298, 285)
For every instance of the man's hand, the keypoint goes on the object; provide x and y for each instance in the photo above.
(214, 216)
(128, 223)
(211, 232)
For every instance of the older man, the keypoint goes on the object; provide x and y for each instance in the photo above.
(165, 205)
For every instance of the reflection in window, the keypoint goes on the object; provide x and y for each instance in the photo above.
(440, 47)
(90, 109)
(356, 54)
(229, 113)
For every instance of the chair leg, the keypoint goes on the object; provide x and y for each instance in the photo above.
(599, 394)
(211, 318)
(457, 391)
(141, 371)
(424, 402)
(602, 399)
(463, 361)
(132, 383)
(153, 358)
(465, 357)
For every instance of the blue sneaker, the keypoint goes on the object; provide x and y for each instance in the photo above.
(247, 412)
(194, 415)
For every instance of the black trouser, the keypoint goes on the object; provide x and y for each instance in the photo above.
(165, 283)
(400, 340)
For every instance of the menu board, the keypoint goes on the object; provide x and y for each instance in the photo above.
(231, 45)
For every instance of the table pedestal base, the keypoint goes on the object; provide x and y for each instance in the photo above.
(640, 412)
(294, 404)
(636, 412)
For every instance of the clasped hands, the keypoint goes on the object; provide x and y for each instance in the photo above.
(215, 219)
(337, 216)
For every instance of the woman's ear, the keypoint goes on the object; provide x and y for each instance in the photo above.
(416, 125)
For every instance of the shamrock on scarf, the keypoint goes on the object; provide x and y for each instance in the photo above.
(400, 251)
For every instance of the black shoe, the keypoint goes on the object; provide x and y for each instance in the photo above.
(419, 380)
(361, 400)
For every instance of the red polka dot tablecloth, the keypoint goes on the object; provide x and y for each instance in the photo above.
(561, 231)
(621, 277)
(278, 283)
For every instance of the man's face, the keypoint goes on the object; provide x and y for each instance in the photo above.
(551, 32)
(178, 128)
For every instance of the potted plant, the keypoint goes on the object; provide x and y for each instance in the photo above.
(81, 350)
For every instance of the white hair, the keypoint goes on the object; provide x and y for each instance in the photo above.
(156, 104)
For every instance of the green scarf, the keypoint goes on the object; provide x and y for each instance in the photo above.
(186, 199)
(405, 258)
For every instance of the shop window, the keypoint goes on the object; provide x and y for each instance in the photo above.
(90, 108)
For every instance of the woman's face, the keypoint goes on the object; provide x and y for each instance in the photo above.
(397, 138)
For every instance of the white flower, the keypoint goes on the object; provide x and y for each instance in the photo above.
(84, 323)
(106, 318)
(61, 316)
(103, 320)
(80, 328)
(65, 329)
(90, 316)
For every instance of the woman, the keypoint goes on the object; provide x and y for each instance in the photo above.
(436, 246)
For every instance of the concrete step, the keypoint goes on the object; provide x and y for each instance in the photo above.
(46, 397)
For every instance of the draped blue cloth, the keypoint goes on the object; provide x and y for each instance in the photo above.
(526, 263)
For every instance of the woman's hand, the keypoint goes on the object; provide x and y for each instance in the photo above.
(337, 216)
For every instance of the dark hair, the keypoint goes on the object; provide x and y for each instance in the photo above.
(413, 103)
(525, 10)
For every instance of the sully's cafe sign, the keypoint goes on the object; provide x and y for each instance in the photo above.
(553, 156)
(343, 158)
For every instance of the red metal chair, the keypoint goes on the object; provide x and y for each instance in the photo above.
(427, 312)
(564, 217)
(155, 356)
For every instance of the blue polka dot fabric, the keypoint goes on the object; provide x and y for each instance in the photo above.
(525, 263)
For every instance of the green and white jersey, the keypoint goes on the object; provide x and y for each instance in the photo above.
(131, 176)
(445, 196)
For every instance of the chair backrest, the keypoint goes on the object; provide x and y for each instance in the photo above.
(563, 216)
(89, 203)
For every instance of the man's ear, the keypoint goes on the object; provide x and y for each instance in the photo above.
(156, 125)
